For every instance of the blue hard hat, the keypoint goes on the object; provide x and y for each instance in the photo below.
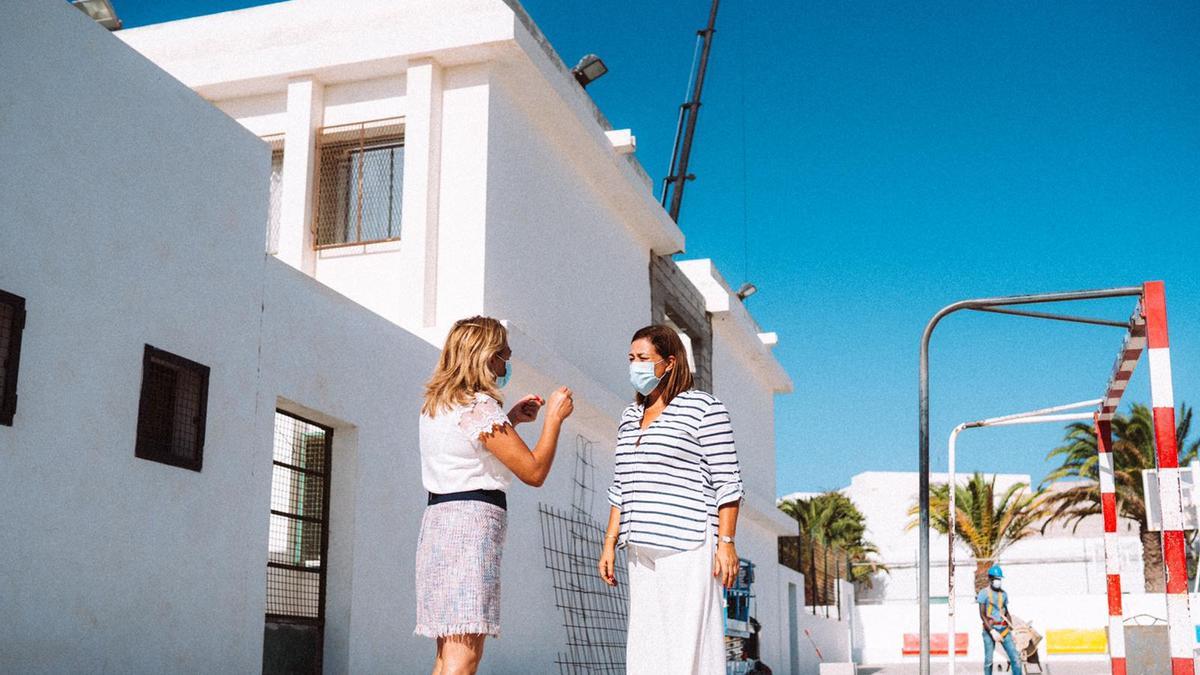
(995, 572)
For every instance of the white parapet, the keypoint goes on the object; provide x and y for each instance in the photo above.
(623, 141)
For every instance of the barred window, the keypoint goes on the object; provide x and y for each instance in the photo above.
(12, 323)
(360, 183)
(276, 143)
(172, 411)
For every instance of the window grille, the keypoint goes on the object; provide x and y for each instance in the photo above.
(273, 210)
(299, 534)
(12, 323)
(360, 180)
(172, 411)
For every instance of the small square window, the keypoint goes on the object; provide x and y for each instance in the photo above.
(12, 323)
(171, 414)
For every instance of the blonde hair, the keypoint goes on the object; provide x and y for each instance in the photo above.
(667, 343)
(462, 370)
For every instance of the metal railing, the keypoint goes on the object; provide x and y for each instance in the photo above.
(824, 568)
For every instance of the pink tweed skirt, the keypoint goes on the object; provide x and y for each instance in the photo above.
(458, 569)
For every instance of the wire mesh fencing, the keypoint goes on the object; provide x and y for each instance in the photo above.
(594, 614)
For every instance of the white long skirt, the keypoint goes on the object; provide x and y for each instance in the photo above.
(675, 613)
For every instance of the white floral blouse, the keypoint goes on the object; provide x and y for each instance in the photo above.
(453, 458)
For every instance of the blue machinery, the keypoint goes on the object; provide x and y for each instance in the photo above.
(738, 630)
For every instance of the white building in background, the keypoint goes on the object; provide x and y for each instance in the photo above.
(1056, 579)
(206, 434)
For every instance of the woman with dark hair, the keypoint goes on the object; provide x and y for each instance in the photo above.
(675, 496)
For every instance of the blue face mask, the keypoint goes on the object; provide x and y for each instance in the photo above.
(642, 377)
(502, 381)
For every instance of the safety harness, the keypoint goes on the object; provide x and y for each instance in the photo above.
(998, 599)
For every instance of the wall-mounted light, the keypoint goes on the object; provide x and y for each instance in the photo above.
(748, 289)
(589, 69)
(101, 11)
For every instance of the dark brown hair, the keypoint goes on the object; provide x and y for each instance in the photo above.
(667, 343)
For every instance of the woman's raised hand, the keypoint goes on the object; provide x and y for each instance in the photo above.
(526, 410)
(561, 405)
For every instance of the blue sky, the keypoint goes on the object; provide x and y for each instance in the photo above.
(867, 163)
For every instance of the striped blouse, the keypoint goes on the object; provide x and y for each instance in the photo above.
(670, 478)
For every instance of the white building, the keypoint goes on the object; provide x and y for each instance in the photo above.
(185, 399)
(1056, 579)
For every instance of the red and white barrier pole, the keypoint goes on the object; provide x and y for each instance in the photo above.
(1162, 397)
(1112, 548)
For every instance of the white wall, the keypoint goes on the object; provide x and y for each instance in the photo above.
(1071, 561)
(327, 359)
(560, 262)
(364, 376)
(136, 217)
(166, 236)
(881, 628)
(751, 404)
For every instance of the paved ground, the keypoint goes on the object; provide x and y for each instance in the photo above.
(1058, 667)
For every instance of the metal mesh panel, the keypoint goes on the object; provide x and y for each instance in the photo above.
(299, 515)
(594, 614)
(273, 211)
(171, 413)
(583, 489)
(360, 183)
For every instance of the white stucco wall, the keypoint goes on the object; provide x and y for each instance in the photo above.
(559, 260)
(363, 376)
(751, 404)
(136, 217)
(524, 227)
(881, 628)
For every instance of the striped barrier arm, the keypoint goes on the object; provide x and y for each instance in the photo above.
(1163, 401)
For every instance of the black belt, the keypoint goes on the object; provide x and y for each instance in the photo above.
(493, 497)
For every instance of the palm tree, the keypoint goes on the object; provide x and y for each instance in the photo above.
(833, 522)
(1133, 453)
(987, 525)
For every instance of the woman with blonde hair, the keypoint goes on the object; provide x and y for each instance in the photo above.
(470, 451)
(675, 496)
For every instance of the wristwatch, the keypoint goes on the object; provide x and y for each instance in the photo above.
(726, 539)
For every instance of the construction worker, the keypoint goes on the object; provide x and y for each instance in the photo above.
(993, 609)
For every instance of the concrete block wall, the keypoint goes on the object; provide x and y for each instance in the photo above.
(671, 292)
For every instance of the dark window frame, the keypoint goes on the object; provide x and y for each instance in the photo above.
(142, 450)
(8, 396)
